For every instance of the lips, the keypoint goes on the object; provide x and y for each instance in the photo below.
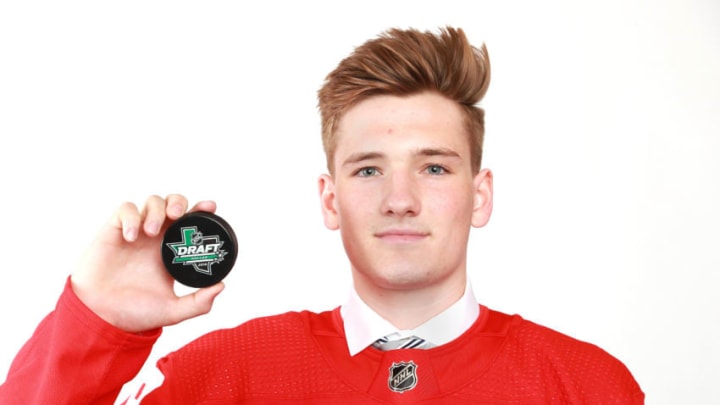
(402, 235)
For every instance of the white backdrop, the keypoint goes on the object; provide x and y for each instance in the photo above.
(602, 131)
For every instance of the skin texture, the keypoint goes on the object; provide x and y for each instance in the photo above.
(404, 197)
(121, 276)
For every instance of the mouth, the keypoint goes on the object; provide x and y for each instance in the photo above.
(401, 235)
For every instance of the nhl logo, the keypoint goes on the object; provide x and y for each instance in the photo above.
(403, 376)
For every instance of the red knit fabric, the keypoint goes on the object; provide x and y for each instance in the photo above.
(302, 358)
(74, 357)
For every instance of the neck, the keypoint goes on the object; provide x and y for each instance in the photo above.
(410, 307)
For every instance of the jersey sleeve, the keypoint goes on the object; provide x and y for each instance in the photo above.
(75, 357)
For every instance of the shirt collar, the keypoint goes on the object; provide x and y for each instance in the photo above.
(363, 326)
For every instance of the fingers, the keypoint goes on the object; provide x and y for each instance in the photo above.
(207, 206)
(127, 219)
(154, 215)
(198, 303)
(176, 205)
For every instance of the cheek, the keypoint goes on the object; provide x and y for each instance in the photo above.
(353, 207)
(355, 220)
(454, 205)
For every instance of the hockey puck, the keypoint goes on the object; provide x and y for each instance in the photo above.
(199, 249)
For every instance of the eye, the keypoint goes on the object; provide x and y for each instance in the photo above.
(436, 170)
(367, 172)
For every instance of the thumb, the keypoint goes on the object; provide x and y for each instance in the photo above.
(197, 303)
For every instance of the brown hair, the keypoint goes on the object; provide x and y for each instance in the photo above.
(404, 62)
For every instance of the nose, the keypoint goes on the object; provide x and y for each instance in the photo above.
(401, 195)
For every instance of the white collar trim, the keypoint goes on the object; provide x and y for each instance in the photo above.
(363, 326)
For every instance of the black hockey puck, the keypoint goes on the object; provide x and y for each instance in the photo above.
(199, 249)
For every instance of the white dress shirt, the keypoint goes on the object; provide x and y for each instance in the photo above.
(363, 326)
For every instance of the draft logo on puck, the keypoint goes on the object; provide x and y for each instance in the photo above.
(199, 249)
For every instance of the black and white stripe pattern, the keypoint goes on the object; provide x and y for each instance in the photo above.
(411, 342)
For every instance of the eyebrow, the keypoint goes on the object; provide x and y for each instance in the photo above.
(437, 152)
(363, 156)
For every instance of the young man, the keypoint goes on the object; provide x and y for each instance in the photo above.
(403, 139)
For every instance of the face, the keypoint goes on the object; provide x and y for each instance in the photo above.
(403, 193)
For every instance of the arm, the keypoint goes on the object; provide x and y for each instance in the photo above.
(110, 313)
(74, 357)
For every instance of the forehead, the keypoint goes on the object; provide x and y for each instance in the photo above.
(408, 123)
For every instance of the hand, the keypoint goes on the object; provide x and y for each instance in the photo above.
(122, 277)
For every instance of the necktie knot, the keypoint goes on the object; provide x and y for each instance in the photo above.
(410, 342)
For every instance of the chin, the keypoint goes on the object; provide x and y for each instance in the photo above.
(403, 278)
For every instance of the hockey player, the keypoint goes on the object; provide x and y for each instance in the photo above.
(403, 137)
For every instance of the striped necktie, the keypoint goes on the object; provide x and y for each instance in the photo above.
(411, 342)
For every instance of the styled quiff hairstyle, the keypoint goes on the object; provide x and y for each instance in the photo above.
(405, 62)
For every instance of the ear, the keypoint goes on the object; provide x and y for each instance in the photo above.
(326, 187)
(483, 183)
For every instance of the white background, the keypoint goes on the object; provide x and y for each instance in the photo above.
(602, 131)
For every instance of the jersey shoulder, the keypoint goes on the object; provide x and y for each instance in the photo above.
(251, 358)
(579, 370)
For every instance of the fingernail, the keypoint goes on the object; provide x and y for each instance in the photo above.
(175, 210)
(130, 234)
(153, 228)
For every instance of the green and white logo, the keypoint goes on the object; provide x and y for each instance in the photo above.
(197, 250)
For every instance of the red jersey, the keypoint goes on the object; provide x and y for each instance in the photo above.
(301, 357)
